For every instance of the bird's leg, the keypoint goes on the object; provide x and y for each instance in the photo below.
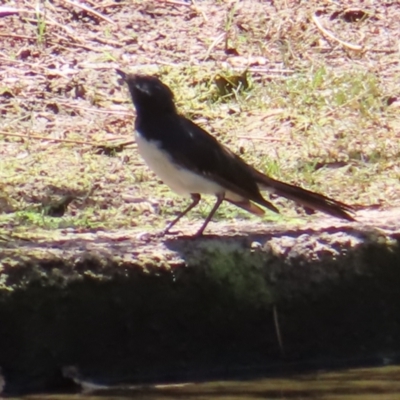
(195, 200)
(220, 198)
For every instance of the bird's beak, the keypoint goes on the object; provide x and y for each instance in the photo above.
(122, 74)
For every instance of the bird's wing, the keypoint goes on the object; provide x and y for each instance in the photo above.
(196, 150)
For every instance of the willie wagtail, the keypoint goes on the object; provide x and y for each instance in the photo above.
(192, 162)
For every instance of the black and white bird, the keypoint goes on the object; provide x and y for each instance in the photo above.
(192, 162)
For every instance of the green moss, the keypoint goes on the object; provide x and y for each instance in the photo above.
(238, 272)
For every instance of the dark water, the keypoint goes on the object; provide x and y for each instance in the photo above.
(381, 383)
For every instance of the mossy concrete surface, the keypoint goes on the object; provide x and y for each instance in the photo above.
(121, 306)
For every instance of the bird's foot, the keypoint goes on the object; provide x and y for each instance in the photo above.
(166, 232)
(181, 234)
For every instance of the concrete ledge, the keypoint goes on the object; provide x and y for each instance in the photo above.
(121, 306)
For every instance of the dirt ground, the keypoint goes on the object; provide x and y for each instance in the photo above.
(307, 92)
(319, 108)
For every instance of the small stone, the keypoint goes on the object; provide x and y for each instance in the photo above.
(255, 245)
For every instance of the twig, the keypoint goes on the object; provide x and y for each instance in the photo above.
(90, 10)
(199, 10)
(216, 41)
(278, 330)
(94, 110)
(54, 139)
(262, 139)
(80, 45)
(109, 42)
(6, 11)
(193, 4)
(177, 3)
(330, 35)
(22, 37)
(267, 70)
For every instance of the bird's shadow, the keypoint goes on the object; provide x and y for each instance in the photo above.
(184, 244)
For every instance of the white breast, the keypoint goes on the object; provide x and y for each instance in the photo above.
(178, 179)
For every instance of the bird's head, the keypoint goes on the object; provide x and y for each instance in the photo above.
(148, 93)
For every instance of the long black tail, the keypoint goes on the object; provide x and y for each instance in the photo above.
(305, 197)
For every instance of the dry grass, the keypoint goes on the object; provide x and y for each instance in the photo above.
(321, 108)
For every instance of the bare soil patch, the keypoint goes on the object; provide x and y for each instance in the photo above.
(321, 108)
